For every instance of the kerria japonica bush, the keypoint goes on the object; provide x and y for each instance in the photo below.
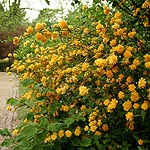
(88, 81)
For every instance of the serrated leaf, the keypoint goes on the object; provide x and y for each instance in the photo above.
(44, 121)
(5, 132)
(30, 116)
(7, 142)
(37, 85)
(85, 142)
(69, 121)
(12, 101)
(27, 82)
(41, 135)
(52, 127)
(30, 130)
(29, 103)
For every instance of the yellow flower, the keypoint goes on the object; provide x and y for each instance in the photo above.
(116, 26)
(127, 54)
(119, 48)
(99, 122)
(86, 30)
(98, 133)
(92, 123)
(133, 67)
(77, 131)
(16, 40)
(85, 66)
(47, 139)
(21, 68)
(130, 125)
(141, 83)
(54, 136)
(135, 96)
(83, 90)
(100, 62)
(8, 108)
(54, 35)
(147, 57)
(65, 108)
(127, 105)
(68, 133)
(113, 43)
(99, 27)
(83, 107)
(106, 102)
(105, 127)
(131, 87)
(64, 32)
(147, 64)
(86, 128)
(136, 106)
(61, 133)
(62, 24)
(26, 120)
(38, 36)
(38, 95)
(39, 26)
(112, 59)
(144, 106)
(93, 128)
(146, 23)
(136, 62)
(109, 74)
(84, 7)
(140, 142)
(106, 10)
(15, 132)
(129, 116)
(29, 30)
(112, 105)
(132, 34)
(146, 4)
(117, 15)
(121, 95)
(10, 55)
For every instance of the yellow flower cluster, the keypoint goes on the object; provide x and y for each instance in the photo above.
(87, 73)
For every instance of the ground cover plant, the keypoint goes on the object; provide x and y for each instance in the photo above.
(88, 81)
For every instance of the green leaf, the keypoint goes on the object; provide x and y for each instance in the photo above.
(12, 101)
(69, 121)
(44, 121)
(47, 1)
(85, 142)
(38, 147)
(143, 113)
(30, 116)
(29, 103)
(30, 130)
(41, 135)
(37, 86)
(5, 132)
(27, 82)
(75, 141)
(52, 127)
(140, 148)
(7, 142)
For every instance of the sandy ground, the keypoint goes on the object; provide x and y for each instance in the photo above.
(8, 89)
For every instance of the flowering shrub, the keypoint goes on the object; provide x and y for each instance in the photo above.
(88, 84)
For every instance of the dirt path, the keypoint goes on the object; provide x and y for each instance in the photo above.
(8, 89)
